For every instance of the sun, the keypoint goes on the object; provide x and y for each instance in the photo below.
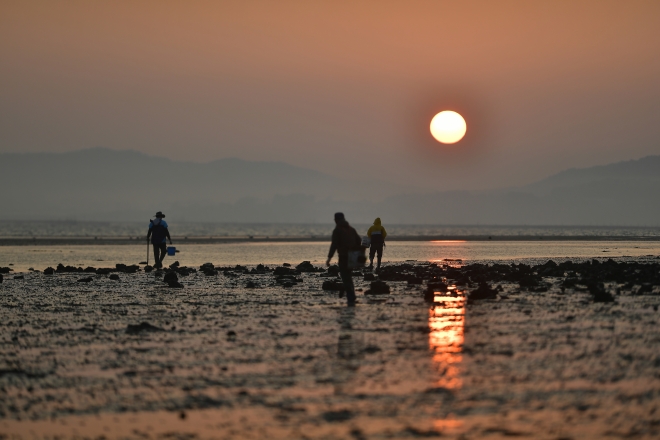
(448, 127)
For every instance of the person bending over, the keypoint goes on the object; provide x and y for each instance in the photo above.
(159, 233)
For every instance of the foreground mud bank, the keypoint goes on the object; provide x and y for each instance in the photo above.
(551, 351)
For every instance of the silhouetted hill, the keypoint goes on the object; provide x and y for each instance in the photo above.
(127, 185)
(623, 193)
(102, 184)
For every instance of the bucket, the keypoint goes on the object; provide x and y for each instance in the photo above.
(171, 251)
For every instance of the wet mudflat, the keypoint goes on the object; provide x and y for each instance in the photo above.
(532, 352)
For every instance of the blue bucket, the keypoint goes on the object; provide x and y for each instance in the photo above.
(171, 251)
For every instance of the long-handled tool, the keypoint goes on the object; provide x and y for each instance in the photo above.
(147, 252)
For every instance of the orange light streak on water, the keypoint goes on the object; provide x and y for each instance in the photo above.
(446, 336)
(448, 241)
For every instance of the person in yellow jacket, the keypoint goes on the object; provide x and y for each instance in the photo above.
(376, 234)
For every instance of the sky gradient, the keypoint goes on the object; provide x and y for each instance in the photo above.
(343, 87)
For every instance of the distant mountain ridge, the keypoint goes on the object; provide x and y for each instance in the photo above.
(96, 182)
(103, 184)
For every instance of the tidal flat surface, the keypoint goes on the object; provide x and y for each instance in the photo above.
(133, 358)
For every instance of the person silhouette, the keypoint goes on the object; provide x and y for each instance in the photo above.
(159, 234)
(344, 239)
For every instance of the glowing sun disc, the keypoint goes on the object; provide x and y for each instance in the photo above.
(448, 127)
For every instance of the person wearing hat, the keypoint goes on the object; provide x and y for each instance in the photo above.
(159, 235)
(344, 239)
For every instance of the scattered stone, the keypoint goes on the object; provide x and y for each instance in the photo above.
(19, 277)
(378, 288)
(332, 285)
(484, 291)
(437, 287)
(1, 278)
(132, 329)
(170, 276)
(148, 268)
(114, 276)
(283, 271)
(174, 265)
(85, 280)
(5, 269)
(208, 269)
(413, 280)
(49, 271)
(305, 266)
(333, 270)
(599, 293)
(369, 277)
(337, 416)
(126, 269)
(250, 285)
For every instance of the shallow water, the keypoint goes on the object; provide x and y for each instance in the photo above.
(180, 228)
(40, 257)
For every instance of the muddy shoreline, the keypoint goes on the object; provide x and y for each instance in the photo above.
(566, 350)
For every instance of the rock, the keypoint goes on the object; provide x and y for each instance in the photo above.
(143, 262)
(378, 288)
(148, 268)
(286, 265)
(175, 285)
(170, 276)
(484, 291)
(413, 280)
(103, 271)
(85, 280)
(133, 268)
(19, 277)
(114, 276)
(174, 265)
(90, 269)
(250, 285)
(437, 287)
(305, 266)
(142, 327)
(332, 285)
(429, 295)
(599, 293)
(283, 271)
(49, 271)
(337, 416)
(208, 269)
(5, 269)
(333, 270)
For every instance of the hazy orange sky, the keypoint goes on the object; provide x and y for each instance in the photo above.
(345, 87)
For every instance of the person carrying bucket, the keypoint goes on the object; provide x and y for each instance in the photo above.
(159, 233)
(376, 234)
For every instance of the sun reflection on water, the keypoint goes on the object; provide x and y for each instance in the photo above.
(446, 336)
(446, 323)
